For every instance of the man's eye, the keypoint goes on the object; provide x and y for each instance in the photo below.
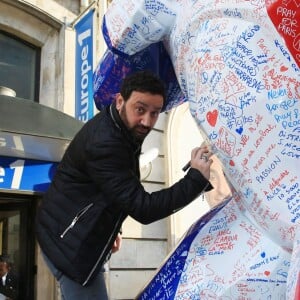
(140, 109)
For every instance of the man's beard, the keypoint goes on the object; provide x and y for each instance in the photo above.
(138, 131)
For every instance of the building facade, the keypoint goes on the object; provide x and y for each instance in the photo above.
(48, 51)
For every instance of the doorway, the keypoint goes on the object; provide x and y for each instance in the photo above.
(17, 240)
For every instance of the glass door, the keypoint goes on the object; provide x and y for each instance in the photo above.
(17, 246)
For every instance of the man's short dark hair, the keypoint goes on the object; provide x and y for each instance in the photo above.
(144, 82)
(5, 259)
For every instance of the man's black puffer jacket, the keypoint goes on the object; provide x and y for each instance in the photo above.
(96, 186)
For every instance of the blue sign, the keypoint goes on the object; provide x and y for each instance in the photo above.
(84, 102)
(25, 174)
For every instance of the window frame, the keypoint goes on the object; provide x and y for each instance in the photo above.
(37, 69)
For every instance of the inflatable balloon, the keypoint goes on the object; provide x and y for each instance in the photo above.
(237, 63)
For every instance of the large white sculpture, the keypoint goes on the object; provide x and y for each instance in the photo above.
(237, 64)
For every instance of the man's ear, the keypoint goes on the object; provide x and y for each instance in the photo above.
(119, 101)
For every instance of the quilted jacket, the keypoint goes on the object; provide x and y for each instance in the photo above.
(96, 186)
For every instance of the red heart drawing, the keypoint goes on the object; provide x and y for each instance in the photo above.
(283, 68)
(231, 162)
(267, 273)
(211, 117)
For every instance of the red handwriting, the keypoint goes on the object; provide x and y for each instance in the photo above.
(263, 134)
(255, 235)
(226, 141)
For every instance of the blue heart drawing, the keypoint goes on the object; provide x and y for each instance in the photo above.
(239, 130)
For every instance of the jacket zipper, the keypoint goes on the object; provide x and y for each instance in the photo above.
(77, 217)
(105, 248)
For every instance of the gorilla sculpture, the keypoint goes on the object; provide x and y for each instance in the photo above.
(237, 64)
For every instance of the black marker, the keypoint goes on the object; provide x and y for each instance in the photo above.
(187, 166)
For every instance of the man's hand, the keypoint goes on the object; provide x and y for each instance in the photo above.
(117, 244)
(200, 160)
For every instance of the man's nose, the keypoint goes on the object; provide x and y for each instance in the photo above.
(146, 120)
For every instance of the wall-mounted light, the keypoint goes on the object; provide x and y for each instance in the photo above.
(146, 162)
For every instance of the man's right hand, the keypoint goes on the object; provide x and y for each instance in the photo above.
(200, 160)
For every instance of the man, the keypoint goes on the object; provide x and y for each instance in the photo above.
(97, 186)
(9, 281)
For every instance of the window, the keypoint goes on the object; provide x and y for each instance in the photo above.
(19, 66)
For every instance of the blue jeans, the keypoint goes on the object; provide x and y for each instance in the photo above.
(72, 290)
